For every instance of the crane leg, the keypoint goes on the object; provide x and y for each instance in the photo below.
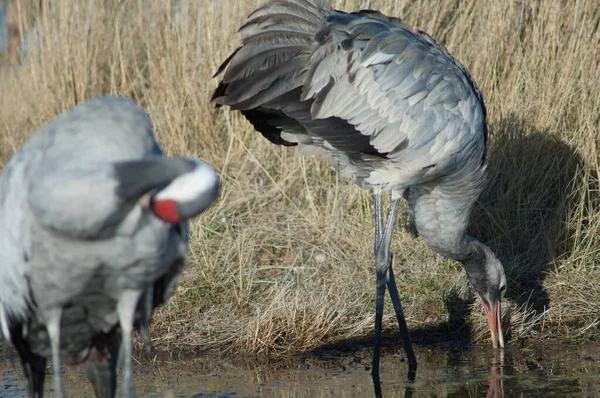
(53, 319)
(380, 289)
(378, 221)
(126, 307)
(385, 276)
(383, 239)
(378, 321)
(146, 314)
(34, 366)
(101, 365)
(35, 371)
(412, 360)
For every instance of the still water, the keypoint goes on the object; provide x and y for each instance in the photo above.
(540, 370)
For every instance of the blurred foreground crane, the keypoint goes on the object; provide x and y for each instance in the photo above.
(390, 109)
(93, 234)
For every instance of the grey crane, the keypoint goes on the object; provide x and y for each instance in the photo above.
(390, 109)
(93, 235)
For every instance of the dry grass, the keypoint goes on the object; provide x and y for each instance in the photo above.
(283, 262)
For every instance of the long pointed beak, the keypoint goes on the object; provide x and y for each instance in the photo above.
(493, 314)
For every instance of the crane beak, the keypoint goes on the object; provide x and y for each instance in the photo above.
(146, 199)
(493, 313)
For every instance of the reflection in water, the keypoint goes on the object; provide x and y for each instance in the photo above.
(408, 390)
(536, 371)
(496, 388)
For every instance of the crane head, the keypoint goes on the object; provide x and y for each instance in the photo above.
(487, 277)
(188, 195)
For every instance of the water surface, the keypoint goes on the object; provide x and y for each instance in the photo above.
(549, 370)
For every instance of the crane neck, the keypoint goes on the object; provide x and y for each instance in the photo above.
(441, 215)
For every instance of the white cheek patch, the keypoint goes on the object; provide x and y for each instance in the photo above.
(190, 186)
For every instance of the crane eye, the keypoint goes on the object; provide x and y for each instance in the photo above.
(502, 290)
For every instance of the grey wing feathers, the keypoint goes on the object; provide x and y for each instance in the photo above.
(264, 77)
(260, 75)
(275, 43)
(362, 86)
(404, 89)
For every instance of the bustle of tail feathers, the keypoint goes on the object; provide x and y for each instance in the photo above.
(277, 40)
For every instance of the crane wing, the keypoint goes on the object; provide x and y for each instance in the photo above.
(403, 90)
(359, 89)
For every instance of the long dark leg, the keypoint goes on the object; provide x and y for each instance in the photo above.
(393, 289)
(385, 276)
(378, 320)
(382, 264)
(145, 312)
(101, 365)
(35, 371)
(380, 292)
(34, 366)
(378, 221)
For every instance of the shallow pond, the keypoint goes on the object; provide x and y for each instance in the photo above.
(540, 370)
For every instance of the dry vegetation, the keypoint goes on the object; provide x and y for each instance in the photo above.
(283, 262)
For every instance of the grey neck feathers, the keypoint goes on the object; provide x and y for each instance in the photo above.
(441, 213)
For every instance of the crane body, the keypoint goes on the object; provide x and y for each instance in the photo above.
(390, 109)
(86, 253)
